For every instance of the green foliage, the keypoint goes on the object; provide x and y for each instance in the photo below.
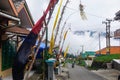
(82, 63)
(69, 60)
(107, 58)
(70, 56)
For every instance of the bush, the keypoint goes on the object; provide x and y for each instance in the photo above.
(107, 58)
(82, 63)
(98, 65)
(100, 61)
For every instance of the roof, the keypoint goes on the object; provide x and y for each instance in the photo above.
(6, 15)
(7, 6)
(18, 30)
(88, 53)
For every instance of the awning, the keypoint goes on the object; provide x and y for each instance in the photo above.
(18, 30)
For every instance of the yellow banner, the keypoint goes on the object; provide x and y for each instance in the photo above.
(54, 26)
(58, 12)
(51, 44)
(65, 53)
(65, 34)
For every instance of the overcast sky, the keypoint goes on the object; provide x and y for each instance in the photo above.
(96, 11)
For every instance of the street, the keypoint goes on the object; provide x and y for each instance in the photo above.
(80, 73)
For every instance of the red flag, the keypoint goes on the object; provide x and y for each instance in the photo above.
(36, 29)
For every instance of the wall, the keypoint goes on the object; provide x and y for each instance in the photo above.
(113, 50)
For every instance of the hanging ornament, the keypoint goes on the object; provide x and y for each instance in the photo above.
(82, 13)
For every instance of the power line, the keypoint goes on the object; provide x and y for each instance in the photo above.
(86, 13)
(95, 15)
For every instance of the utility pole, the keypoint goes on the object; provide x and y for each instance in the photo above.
(99, 44)
(107, 22)
(82, 47)
(108, 34)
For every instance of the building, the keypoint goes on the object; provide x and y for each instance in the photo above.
(15, 18)
(88, 54)
(117, 15)
(113, 50)
(117, 34)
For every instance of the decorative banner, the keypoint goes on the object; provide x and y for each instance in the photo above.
(51, 44)
(66, 51)
(58, 12)
(24, 51)
(60, 51)
(60, 19)
(82, 13)
(54, 26)
(60, 39)
(65, 34)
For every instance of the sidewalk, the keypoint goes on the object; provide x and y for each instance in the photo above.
(64, 75)
(109, 74)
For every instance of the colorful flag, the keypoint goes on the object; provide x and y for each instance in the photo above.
(54, 26)
(66, 51)
(24, 51)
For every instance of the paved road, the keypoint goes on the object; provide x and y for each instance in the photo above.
(80, 73)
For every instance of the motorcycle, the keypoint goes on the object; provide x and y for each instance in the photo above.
(73, 65)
